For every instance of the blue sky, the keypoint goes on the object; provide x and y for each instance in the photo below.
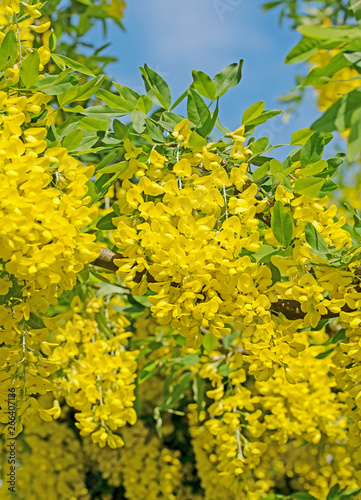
(174, 37)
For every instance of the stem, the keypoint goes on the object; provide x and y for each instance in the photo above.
(225, 200)
(18, 35)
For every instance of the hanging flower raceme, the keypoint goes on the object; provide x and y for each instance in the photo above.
(242, 439)
(97, 374)
(43, 212)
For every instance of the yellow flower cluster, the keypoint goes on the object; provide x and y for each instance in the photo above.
(53, 451)
(150, 470)
(116, 9)
(193, 226)
(68, 468)
(43, 212)
(97, 373)
(187, 231)
(255, 436)
(25, 31)
(347, 362)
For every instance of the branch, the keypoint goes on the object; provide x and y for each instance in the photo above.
(290, 308)
(106, 259)
(264, 218)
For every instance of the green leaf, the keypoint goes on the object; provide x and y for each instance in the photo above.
(191, 359)
(339, 115)
(137, 118)
(325, 33)
(354, 140)
(64, 62)
(105, 223)
(227, 340)
(252, 112)
(309, 186)
(209, 342)
(323, 74)
(276, 274)
(114, 100)
(276, 167)
(223, 369)
(51, 80)
(177, 391)
(356, 7)
(324, 354)
(101, 112)
(283, 180)
(157, 89)
(196, 141)
(104, 188)
(208, 126)
(127, 94)
(327, 188)
(153, 131)
(52, 41)
(87, 90)
(89, 123)
(354, 58)
(303, 50)
(73, 139)
(35, 322)
(262, 118)
(261, 171)
(339, 337)
(314, 239)
(333, 165)
(197, 109)
(29, 70)
(147, 371)
(106, 160)
(281, 224)
(144, 104)
(169, 120)
(121, 131)
(348, 495)
(8, 50)
(271, 5)
(82, 93)
(103, 324)
(313, 149)
(57, 88)
(86, 145)
(224, 130)
(302, 496)
(315, 168)
(333, 493)
(228, 78)
(203, 84)
(265, 253)
(300, 137)
(259, 146)
(180, 99)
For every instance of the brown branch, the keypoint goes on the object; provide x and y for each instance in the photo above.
(106, 259)
(292, 310)
(289, 308)
(264, 218)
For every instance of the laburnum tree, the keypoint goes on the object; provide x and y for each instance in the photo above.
(179, 311)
